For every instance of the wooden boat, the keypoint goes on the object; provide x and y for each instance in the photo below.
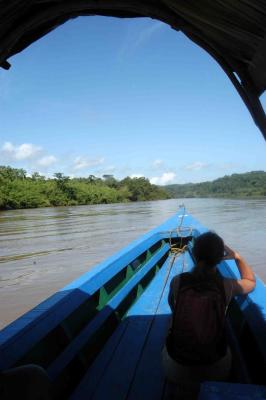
(101, 336)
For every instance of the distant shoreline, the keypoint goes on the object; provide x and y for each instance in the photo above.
(139, 201)
(250, 185)
(20, 191)
(83, 205)
(222, 197)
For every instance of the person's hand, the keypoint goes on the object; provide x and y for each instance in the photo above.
(231, 254)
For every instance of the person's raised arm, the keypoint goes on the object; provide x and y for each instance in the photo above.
(248, 280)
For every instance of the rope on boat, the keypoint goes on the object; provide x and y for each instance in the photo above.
(178, 251)
(175, 250)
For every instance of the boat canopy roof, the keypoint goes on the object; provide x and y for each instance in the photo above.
(232, 32)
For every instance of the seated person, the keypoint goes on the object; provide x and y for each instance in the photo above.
(196, 349)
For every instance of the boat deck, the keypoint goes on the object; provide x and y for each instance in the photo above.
(129, 366)
(102, 335)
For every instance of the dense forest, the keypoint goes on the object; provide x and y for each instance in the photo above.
(17, 190)
(250, 184)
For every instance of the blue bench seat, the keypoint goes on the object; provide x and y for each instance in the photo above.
(231, 391)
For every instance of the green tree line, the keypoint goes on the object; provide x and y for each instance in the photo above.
(18, 190)
(250, 184)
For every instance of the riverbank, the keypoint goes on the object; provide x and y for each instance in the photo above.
(250, 185)
(19, 191)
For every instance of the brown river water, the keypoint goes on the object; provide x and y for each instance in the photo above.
(42, 250)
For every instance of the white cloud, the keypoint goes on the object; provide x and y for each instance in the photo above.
(83, 162)
(147, 33)
(196, 166)
(135, 39)
(158, 163)
(23, 152)
(165, 178)
(136, 176)
(46, 161)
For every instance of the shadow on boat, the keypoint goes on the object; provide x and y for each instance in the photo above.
(125, 352)
(105, 352)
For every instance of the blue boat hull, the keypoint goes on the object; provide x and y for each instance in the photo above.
(101, 336)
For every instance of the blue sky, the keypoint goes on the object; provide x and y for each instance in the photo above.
(128, 97)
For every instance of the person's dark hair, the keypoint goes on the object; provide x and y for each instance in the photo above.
(208, 251)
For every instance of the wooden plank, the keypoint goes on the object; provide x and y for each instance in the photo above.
(117, 380)
(76, 345)
(97, 374)
(149, 368)
(25, 332)
(90, 381)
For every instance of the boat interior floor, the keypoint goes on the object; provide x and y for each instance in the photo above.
(130, 362)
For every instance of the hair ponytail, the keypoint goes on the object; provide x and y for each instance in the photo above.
(208, 251)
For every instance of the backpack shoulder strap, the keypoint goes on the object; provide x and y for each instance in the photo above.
(183, 281)
(173, 291)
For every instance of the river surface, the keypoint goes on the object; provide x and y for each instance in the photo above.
(41, 250)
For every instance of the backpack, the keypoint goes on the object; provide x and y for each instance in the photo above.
(197, 334)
